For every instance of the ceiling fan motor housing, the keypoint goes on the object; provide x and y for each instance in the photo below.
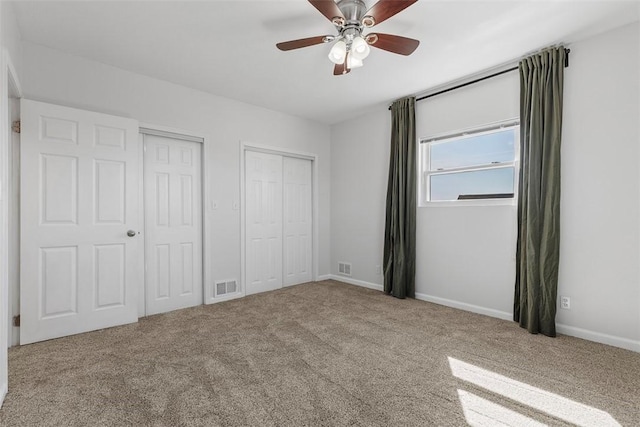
(353, 11)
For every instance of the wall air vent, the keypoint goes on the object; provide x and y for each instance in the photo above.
(226, 287)
(232, 287)
(344, 268)
(221, 288)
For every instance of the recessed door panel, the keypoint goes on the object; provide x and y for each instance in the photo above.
(187, 156)
(58, 130)
(110, 278)
(187, 264)
(79, 191)
(290, 255)
(254, 261)
(304, 258)
(173, 226)
(186, 202)
(59, 187)
(161, 153)
(257, 214)
(59, 281)
(163, 264)
(110, 193)
(106, 136)
(162, 199)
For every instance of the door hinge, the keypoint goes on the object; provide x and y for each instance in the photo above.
(15, 126)
(16, 320)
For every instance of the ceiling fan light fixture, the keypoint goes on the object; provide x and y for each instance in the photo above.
(353, 62)
(338, 52)
(351, 18)
(360, 48)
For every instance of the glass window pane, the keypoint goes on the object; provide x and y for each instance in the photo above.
(487, 181)
(474, 150)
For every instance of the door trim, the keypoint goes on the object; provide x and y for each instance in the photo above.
(248, 146)
(13, 90)
(9, 86)
(186, 135)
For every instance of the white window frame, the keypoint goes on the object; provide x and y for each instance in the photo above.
(424, 174)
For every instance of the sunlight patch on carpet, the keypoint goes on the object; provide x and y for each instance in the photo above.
(533, 397)
(481, 412)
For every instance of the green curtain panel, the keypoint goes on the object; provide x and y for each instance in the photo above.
(537, 256)
(400, 224)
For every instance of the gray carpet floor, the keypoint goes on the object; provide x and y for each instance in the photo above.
(321, 354)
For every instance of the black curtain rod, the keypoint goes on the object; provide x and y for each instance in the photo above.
(490, 76)
(472, 82)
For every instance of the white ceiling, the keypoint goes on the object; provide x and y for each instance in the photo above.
(228, 47)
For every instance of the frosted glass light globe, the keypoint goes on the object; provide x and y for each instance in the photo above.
(360, 48)
(338, 52)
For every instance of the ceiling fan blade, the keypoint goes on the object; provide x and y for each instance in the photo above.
(391, 43)
(384, 10)
(309, 41)
(328, 8)
(341, 69)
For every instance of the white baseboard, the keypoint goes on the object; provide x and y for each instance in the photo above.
(466, 307)
(356, 282)
(3, 393)
(562, 329)
(599, 337)
(224, 298)
(323, 277)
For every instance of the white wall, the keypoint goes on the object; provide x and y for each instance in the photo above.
(359, 165)
(466, 255)
(11, 38)
(600, 228)
(54, 77)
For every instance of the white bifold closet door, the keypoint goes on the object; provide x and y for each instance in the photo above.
(173, 223)
(297, 221)
(79, 221)
(278, 244)
(263, 214)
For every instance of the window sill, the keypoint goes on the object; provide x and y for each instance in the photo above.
(469, 203)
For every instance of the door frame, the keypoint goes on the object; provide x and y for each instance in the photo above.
(9, 87)
(204, 140)
(13, 90)
(248, 146)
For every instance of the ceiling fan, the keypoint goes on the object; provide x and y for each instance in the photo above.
(350, 18)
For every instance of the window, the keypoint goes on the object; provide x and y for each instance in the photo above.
(470, 165)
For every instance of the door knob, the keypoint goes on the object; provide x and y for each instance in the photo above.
(131, 233)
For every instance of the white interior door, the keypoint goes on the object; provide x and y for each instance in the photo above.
(79, 192)
(173, 223)
(297, 221)
(263, 219)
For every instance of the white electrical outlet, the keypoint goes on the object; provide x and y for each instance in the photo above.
(565, 303)
(378, 270)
